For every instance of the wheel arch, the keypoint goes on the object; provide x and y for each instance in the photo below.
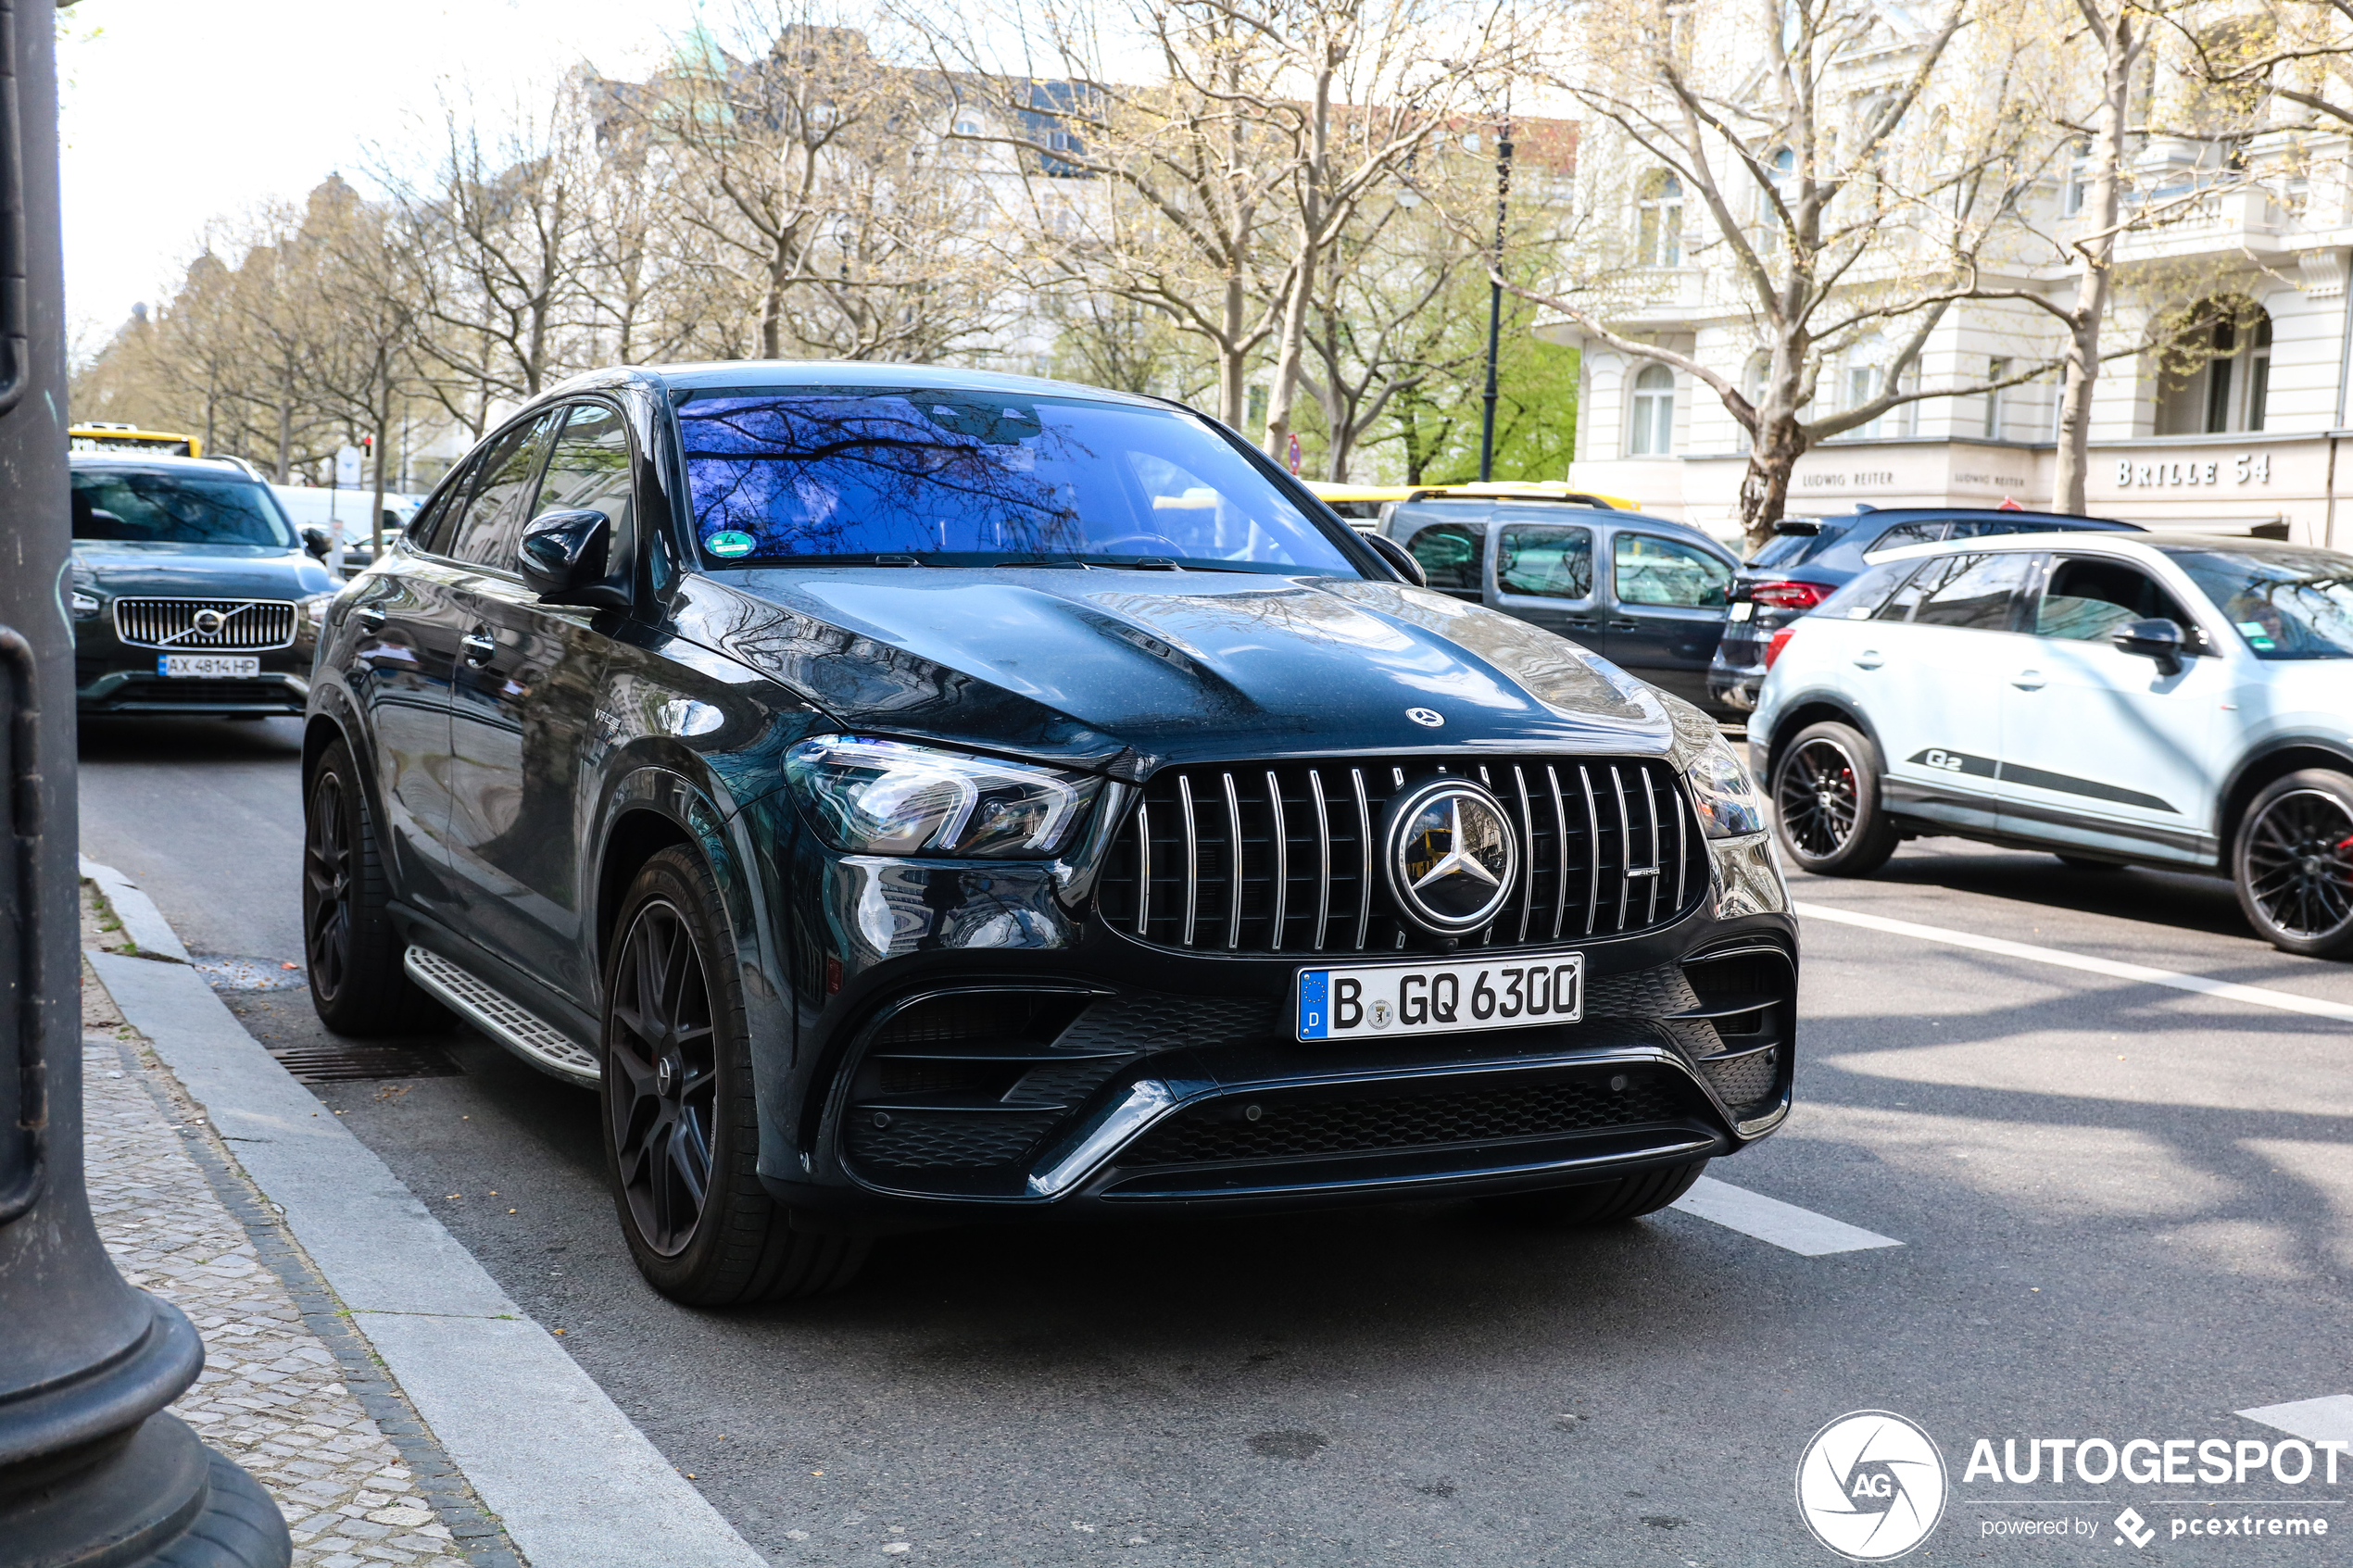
(2275, 759)
(1809, 708)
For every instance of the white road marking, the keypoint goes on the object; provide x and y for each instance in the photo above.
(2318, 1421)
(1769, 1219)
(2286, 1001)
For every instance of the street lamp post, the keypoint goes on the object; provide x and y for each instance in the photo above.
(1495, 298)
(92, 1469)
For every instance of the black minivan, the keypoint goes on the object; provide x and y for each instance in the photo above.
(909, 796)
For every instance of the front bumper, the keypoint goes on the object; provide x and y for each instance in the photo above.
(143, 692)
(1110, 1077)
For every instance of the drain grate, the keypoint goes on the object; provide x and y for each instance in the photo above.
(228, 974)
(344, 1063)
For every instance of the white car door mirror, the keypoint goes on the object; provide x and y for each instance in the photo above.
(2159, 640)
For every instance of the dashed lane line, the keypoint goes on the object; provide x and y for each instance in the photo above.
(1769, 1219)
(2260, 995)
(2326, 1420)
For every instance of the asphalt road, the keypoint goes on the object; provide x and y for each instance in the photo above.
(2126, 1211)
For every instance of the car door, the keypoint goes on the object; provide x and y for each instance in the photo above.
(522, 709)
(406, 625)
(1665, 609)
(2101, 747)
(1934, 670)
(1544, 574)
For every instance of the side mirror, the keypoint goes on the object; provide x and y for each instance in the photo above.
(317, 541)
(1398, 556)
(2160, 640)
(563, 558)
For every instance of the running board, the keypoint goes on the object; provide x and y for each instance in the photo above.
(522, 1032)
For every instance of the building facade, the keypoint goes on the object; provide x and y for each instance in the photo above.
(2236, 428)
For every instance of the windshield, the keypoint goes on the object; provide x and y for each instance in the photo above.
(964, 478)
(1788, 549)
(2287, 603)
(134, 506)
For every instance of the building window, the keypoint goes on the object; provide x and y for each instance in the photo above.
(1659, 220)
(1654, 427)
(2215, 375)
(968, 122)
(2076, 183)
(1996, 397)
(1863, 382)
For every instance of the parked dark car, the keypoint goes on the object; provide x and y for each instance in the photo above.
(192, 593)
(1810, 558)
(913, 796)
(1647, 593)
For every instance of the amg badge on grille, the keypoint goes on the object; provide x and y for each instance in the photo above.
(1452, 855)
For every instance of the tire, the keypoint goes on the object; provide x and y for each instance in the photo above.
(354, 953)
(681, 1122)
(1826, 802)
(1602, 1203)
(2088, 866)
(2292, 863)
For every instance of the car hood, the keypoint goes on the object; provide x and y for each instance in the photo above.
(197, 570)
(1087, 666)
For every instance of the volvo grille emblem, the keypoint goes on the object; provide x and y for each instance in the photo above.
(210, 621)
(1427, 717)
(1452, 855)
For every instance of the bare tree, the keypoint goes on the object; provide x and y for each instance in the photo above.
(1851, 173)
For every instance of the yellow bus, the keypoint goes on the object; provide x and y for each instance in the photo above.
(99, 437)
(1362, 503)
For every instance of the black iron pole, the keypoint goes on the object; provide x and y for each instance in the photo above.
(1495, 301)
(92, 1469)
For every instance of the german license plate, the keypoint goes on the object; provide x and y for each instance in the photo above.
(208, 664)
(1740, 611)
(1374, 1001)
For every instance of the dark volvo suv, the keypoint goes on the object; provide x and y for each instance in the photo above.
(910, 795)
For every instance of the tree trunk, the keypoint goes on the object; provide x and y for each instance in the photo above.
(1292, 346)
(1765, 485)
(2092, 264)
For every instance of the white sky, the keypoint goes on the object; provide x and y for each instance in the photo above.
(178, 113)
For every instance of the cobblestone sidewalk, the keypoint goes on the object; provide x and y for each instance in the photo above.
(289, 1390)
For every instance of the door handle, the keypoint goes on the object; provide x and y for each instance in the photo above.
(370, 619)
(2027, 680)
(1623, 625)
(1869, 660)
(478, 645)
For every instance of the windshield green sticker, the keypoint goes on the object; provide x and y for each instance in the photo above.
(729, 542)
(2258, 637)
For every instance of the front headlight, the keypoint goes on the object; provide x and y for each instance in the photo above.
(85, 606)
(314, 609)
(1729, 804)
(889, 798)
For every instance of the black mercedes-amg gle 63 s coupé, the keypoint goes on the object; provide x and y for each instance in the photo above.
(910, 796)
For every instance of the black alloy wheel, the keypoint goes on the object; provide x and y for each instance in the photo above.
(681, 1107)
(349, 944)
(1826, 803)
(2294, 869)
(661, 1077)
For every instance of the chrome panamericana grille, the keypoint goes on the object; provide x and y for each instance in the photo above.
(1284, 856)
(182, 625)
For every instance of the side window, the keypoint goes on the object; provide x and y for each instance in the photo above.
(1931, 576)
(431, 533)
(1449, 554)
(2087, 598)
(486, 534)
(1865, 594)
(1908, 534)
(1982, 595)
(1650, 571)
(588, 470)
(1553, 563)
